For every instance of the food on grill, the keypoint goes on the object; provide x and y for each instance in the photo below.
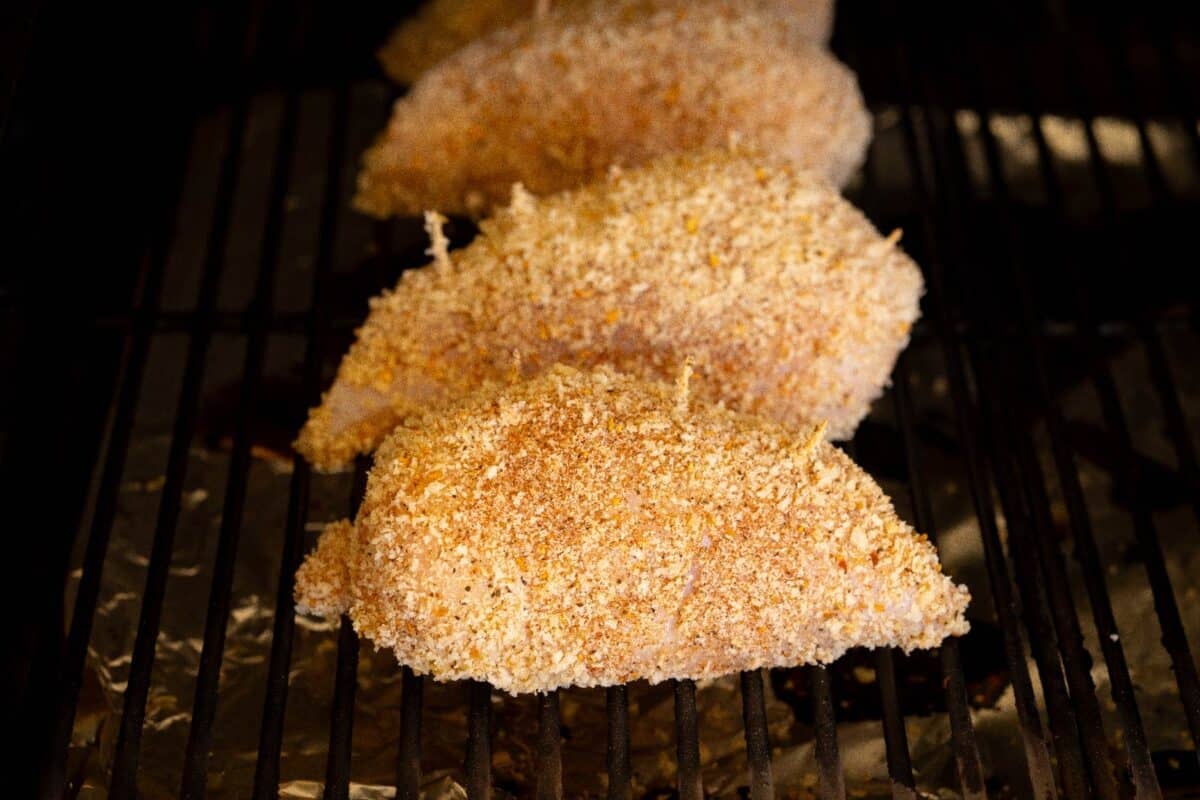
(442, 27)
(793, 305)
(587, 528)
(555, 102)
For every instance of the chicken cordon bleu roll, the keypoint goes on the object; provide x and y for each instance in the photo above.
(793, 306)
(553, 103)
(589, 528)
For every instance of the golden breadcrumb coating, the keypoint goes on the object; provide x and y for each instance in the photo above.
(442, 27)
(555, 102)
(588, 528)
(793, 306)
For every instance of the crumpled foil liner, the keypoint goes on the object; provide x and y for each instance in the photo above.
(377, 705)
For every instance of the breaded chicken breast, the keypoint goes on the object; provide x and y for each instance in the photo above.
(554, 103)
(442, 27)
(589, 529)
(792, 304)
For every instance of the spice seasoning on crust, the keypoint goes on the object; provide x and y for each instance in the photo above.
(580, 528)
(556, 102)
(792, 304)
(443, 27)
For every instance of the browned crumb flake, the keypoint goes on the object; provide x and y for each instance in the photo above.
(581, 529)
(553, 103)
(442, 27)
(791, 303)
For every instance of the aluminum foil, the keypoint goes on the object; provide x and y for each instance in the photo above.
(377, 715)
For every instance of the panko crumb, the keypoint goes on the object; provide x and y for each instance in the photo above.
(792, 304)
(442, 27)
(580, 529)
(556, 102)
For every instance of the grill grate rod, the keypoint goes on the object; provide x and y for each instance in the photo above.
(408, 773)
(1162, 37)
(687, 741)
(1145, 780)
(1036, 750)
(341, 719)
(1176, 423)
(549, 748)
(1083, 725)
(200, 735)
(266, 776)
(125, 760)
(1118, 58)
(758, 742)
(1173, 635)
(617, 703)
(894, 736)
(831, 783)
(966, 748)
(479, 741)
(53, 769)
(1075, 657)
(1044, 644)
(341, 724)
(1160, 372)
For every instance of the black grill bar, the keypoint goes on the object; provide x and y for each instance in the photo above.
(1144, 778)
(549, 748)
(1184, 100)
(758, 742)
(195, 767)
(831, 782)
(1118, 58)
(341, 722)
(962, 731)
(270, 737)
(266, 777)
(687, 741)
(1076, 660)
(1036, 750)
(479, 742)
(408, 772)
(52, 779)
(1176, 424)
(617, 702)
(895, 738)
(1043, 640)
(966, 748)
(341, 718)
(125, 761)
(1035, 590)
(894, 735)
(1174, 638)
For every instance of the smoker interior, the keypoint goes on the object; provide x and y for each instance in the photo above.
(188, 275)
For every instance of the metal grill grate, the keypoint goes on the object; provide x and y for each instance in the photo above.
(1002, 328)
